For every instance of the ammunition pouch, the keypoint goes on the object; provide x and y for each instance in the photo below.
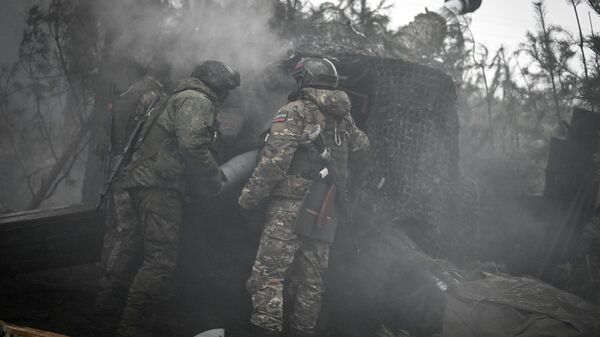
(317, 218)
(305, 164)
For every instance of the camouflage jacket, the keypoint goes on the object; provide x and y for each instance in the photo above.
(178, 142)
(295, 126)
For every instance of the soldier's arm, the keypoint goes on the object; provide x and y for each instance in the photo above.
(276, 157)
(194, 115)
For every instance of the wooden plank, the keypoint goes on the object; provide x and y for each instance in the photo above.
(10, 330)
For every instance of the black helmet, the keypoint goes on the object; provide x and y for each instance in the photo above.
(217, 76)
(315, 72)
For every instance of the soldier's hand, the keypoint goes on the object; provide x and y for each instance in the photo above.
(246, 202)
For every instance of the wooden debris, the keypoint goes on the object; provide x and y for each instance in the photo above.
(8, 330)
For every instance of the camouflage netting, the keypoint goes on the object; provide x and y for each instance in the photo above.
(413, 176)
(418, 40)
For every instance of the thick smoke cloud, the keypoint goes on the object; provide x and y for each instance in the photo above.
(186, 33)
(179, 33)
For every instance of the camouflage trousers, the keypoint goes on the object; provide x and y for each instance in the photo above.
(144, 250)
(282, 254)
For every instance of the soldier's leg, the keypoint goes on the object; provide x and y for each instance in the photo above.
(278, 245)
(122, 258)
(311, 264)
(159, 212)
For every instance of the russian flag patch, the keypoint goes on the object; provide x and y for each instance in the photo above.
(280, 118)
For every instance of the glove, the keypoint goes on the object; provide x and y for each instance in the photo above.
(246, 202)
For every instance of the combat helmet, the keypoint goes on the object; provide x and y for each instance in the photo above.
(316, 72)
(218, 76)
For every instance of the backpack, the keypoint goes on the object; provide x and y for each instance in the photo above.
(124, 116)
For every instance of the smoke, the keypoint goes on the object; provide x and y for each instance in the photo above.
(129, 33)
(185, 33)
(12, 23)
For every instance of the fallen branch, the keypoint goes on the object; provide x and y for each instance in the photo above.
(49, 181)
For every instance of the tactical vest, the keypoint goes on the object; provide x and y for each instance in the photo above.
(318, 215)
(160, 145)
(124, 112)
(335, 135)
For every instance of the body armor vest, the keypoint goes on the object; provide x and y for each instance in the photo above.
(156, 160)
(125, 116)
(307, 162)
(163, 141)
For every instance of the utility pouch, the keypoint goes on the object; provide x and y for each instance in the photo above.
(317, 218)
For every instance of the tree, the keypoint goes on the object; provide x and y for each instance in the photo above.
(550, 50)
(590, 90)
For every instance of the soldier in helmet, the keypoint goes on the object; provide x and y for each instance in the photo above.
(174, 154)
(302, 166)
(126, 112)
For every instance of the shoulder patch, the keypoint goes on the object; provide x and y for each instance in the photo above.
(280, 117)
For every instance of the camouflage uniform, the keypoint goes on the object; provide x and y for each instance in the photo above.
(289, 164)
(117, 277)
(176, 150)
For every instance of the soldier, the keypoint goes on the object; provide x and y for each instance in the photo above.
(301, 166)
(174, 153)
(126, 112)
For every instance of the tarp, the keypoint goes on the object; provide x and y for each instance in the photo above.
(504, 305)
